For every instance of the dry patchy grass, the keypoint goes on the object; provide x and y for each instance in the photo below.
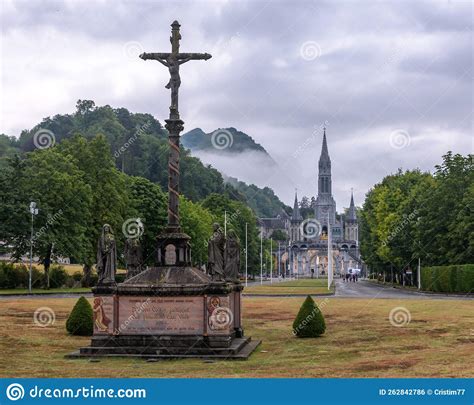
(302, 286)
(359, 342)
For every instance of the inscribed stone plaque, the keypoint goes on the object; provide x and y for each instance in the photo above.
(103, 315)
(161, 315)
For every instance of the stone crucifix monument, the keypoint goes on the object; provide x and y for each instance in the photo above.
(172, 309)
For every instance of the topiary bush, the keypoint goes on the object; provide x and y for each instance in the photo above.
(310, 321)
(80, 321)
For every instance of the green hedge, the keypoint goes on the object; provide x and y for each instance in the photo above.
(448, 279)
(17, 276)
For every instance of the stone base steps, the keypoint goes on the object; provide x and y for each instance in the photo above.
(240, 348)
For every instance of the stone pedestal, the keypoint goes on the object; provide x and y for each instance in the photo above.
(169, 312)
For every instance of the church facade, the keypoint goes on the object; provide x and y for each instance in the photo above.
(306, 248)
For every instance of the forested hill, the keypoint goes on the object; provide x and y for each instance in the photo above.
(227, 140)
(139, 145)
(263, 201)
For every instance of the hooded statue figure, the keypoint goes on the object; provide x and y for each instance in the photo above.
(216, 253)
(106, 256)
(133, 255)
(232, 256)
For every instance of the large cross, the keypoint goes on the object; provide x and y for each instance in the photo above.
(174, 124)
(172, 61)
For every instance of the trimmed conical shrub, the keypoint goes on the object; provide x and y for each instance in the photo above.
(310, 321)
(80, 321)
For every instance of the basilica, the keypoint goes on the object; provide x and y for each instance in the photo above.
(305, 251)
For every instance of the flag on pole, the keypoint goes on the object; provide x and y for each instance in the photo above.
(329, 255)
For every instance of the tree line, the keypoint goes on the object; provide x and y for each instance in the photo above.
(77, 188)
(138, 144)
(413, 214)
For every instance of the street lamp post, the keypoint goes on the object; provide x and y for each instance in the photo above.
(246, 255)
(261, 255)
(33, 212)
(271, 260)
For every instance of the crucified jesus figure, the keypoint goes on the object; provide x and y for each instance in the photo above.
(172, 61)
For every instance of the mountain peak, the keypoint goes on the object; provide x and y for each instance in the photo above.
(227, 140)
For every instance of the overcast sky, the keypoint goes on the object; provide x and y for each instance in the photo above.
(392, 79)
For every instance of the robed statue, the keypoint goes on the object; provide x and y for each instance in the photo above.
(106, 256)
(133, 256)
(216, 248)
(232, 256)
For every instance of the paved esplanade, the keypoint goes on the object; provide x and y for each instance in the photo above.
(361, 289)
(367, 289)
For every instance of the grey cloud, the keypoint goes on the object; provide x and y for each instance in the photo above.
(383, 66)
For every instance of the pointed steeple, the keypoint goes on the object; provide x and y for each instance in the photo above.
(296, 216)
(351, 215)
(324, 149)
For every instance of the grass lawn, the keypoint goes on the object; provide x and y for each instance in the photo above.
(24, 291)
(302, 286)
(359, 342)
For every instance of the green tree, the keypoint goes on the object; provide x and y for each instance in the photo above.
(149, 203)
(446, 226)
(196, 221)
(238, 214)
(109, 194)
(63, 200)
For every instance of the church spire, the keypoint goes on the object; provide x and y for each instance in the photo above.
(324, 175)
(352, 216)
(296, 216)
(324, 149)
